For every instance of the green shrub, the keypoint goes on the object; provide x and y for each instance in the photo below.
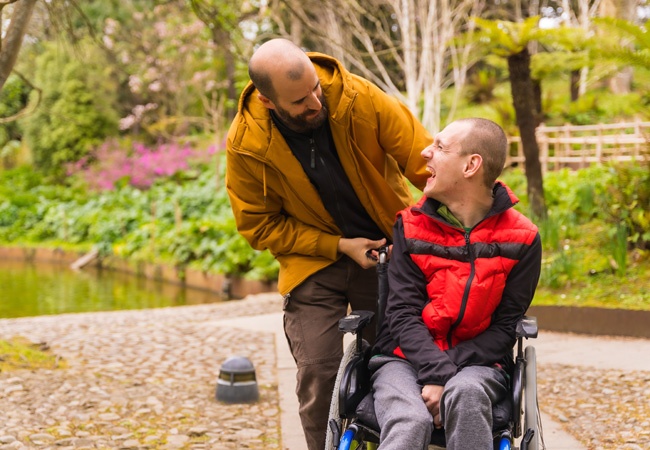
(575, 192)
(13, 99)
(480, 86)
(75, 113)
(183, 221)
(559, 269)
(626, 202)
(187, 221)
(596, 106)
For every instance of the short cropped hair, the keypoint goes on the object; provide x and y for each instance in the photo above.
(263, 82)
(488, 140)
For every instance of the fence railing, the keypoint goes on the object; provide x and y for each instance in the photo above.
(577, 146)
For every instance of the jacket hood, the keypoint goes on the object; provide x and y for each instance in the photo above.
(335, 83)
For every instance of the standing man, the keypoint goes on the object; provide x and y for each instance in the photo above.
(317, 167)
(463, 272)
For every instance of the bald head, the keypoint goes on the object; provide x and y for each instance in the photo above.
(276, 61)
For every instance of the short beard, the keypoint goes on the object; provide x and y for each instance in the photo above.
(300, 123)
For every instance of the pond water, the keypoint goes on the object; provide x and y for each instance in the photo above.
(42, 289)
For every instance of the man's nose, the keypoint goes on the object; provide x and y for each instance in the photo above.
(426, 153)
(314, 102)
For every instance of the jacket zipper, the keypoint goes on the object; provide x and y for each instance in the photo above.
(268, 161)
(343, 226)
(313, 153)
(463, 304)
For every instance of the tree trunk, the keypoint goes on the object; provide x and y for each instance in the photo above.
(537, 99)
(11, 46)
(523, 95)
(575, 85)
(223, 37)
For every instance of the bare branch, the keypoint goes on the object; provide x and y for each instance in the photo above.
(405, 47)
(14, 37)
(30, 107)
(5, 3)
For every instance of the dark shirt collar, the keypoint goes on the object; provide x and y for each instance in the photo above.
(285, 130)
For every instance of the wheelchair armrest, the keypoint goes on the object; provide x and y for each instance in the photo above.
(517, 396)
(355, 321)
(355, 383)
(527, 327)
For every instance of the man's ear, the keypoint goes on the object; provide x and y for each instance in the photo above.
(266, 101)
(472, 165)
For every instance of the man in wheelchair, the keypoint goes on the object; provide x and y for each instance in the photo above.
(463, 271)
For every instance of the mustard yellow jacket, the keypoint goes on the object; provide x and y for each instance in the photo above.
(275, 205)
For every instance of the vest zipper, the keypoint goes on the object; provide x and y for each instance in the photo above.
(463, 303)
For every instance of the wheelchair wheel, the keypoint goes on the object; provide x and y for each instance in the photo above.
(531, 409)
(353, 439)
(334, 404)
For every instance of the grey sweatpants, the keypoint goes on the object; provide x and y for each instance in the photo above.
(466, 413)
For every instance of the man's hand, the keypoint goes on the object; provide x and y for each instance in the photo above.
(431, 394)
(361, 250)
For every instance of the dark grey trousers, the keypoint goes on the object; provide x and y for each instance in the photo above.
(311, 317)
(466, 406)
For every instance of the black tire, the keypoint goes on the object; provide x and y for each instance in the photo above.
(334, 404)
(531, 409)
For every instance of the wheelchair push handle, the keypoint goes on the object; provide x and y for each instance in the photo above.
(382, 288)
(382, 254)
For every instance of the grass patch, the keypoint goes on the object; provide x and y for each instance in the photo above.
(20, 353)
(603, 291)
(594, 278)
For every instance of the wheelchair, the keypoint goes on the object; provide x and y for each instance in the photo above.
(352, 424)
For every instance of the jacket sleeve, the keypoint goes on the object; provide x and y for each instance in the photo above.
(495, 343)
(260, 217)
(406, 299)
(401, 135)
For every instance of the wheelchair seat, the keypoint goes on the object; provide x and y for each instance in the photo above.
(366, 416)
(353, 408)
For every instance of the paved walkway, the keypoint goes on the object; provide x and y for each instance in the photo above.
(552, 349)
(139, 380)
(145, 379)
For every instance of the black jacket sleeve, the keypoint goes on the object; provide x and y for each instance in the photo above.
(403, 318)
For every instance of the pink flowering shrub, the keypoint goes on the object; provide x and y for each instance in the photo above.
(140, 166)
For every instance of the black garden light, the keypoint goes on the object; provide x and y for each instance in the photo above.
(237, 382)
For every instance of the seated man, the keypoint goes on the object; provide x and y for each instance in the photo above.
(463, 271)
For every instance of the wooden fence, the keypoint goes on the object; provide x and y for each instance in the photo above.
(576, 146)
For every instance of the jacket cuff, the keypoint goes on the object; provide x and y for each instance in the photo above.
(438, 376)
(327, 245)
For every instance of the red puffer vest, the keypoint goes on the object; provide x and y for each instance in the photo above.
(465, 272)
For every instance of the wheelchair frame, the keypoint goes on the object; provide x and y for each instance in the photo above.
(345, 430)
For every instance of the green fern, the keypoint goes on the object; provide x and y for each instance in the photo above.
(632, 46)
(508, 38)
